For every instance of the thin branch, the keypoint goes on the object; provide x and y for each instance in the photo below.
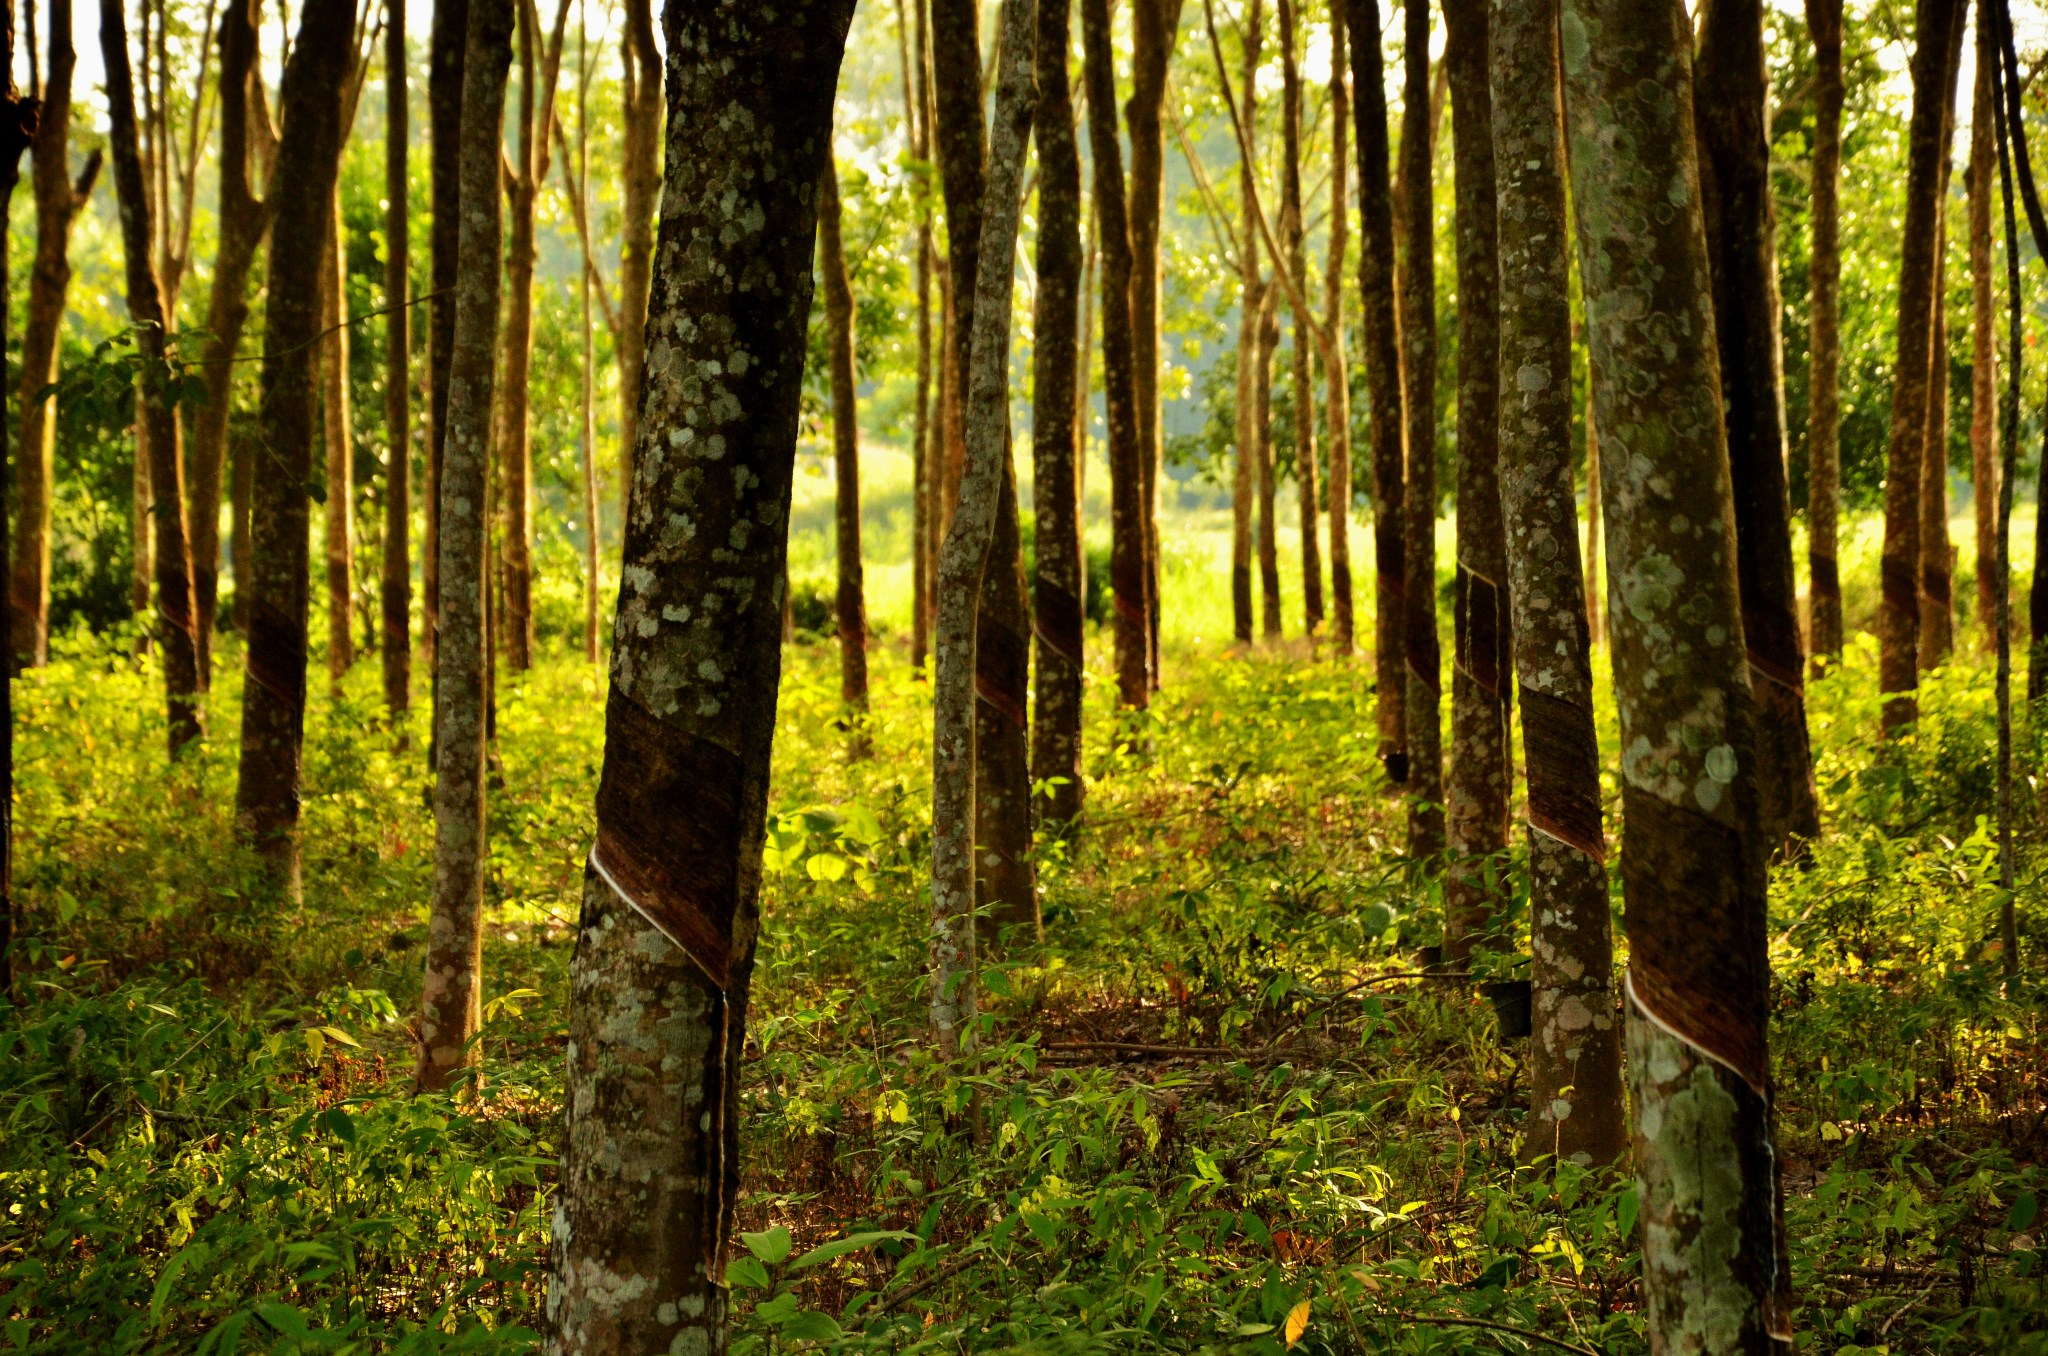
(579, 210)
(1212, 208)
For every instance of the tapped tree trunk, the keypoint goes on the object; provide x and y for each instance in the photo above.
(1482, 769)
(1294, 247)
(1694, 864)
(957, 735)
(448, 44)
(1059, 583)
(1421, 724)
(1336, 379)
(1575, 1100)
(1934, 30)
(274, 687)
(396, 594)
(1984, 449)
(1002, 768)
(1155, 25)
(1126, 480)
(1824, 403)
(1735, 181)
(665, 948)
(451, 998)
(59, 199)
(158, 416)
(852, 602)
(639, 182)
(1251, 297)
(1380, 330)
(339, 441)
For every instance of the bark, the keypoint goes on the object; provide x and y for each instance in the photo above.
(1002, 766)
(957, 744)
(274, 687)
(1595, 631)
(59, 199)
(1155, 24)
(1269, 546)
(1693, 865)
(17, 133)
(1250, 305)
(451, 998)
(1059, 585)
(1731, 124)
(158, 416)
(448, 43)
(1937, 556)
(1824, 400)
(1421, 723)
(1575, 1056)
(1899, 613)
(639, 181)
(1984, 442)
(588, 428)
(396, 594)
(1336, 380)
(650, 1155)
(338, 518)
(852, 606)
(916, 99)
(1294, 248)
(1481, 772)
(2005, 104)
(1126, 480)
(1380, 331)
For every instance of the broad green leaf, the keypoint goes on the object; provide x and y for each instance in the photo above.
(770, 1245)
(840, 1247)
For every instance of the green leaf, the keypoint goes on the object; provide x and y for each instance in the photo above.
(287, 1321)
(770, 1245)
(778, 1310)
(2024, 1207)
(341, 1123)
(1625, 1213)
(1044, 1228)
(168, 1277)
(335, 1033)
(840, 1247)
(811, 1326)
(747, 1271)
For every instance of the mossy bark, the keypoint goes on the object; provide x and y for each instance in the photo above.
(1293, 245)
(1824, 398)
(271, 772)
(851, 600)
(1421, 721)
(1693, 864)
(665, 947)
(451, 996)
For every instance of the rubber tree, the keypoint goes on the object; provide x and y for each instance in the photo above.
(1575, 1101)
(451, 995)
(1482, 661)
(1294, 249)
(1693, 862)
(916, 53)
(395, 594)
(163, 434)
(1262, 414)
(337, 442)
(1731, 124)
(1422, 731)
(1934, 29)
(1984, 441)
(18, 115)
(640, 179)
(59, 198)
(1379, 329)
(271, 773)
(1059, 583)
(1336, 375)
(1937, 555)
(1251, 301)
(664, 955)
(1824, 395)
(1155, 25)
(448, 41)
(851, 600)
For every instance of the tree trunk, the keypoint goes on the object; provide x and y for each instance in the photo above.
(1262, 414)
(1899, 616)
(1250, 306)
(1575, 1055)
(1937, 558)
(274, 686)
(448, 43)
(1002, 768)
(1735, 181)
(916, 99)
(396, 596)
(1336, 380)
(1126, 478)
(650, 1154)
(58, 203)
(1059, 583)
(17, 134)
(1482, 769)
(591, 580)
(1293, 245)
(1824, 401)
(958, 739)
(1421, 724)
(1155, 24)
(451, 998)
(1595, 631)
(2007, 114)
(1380, 330)
(142, 553)
(852, 606)
(640, 180)
(158, 415)
(1693, 868)
(339, 440)
(1984, 452)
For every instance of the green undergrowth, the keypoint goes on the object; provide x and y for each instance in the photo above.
(1212, 1109)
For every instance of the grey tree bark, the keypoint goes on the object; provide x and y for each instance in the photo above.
(448, 42)
(1155, 25)
(451, 995)
(1693, 864)
(665, 948)
(852, 608)
(1421, 723)
(1575, 1097)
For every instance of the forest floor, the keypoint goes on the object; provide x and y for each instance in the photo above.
(1214, 1108)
